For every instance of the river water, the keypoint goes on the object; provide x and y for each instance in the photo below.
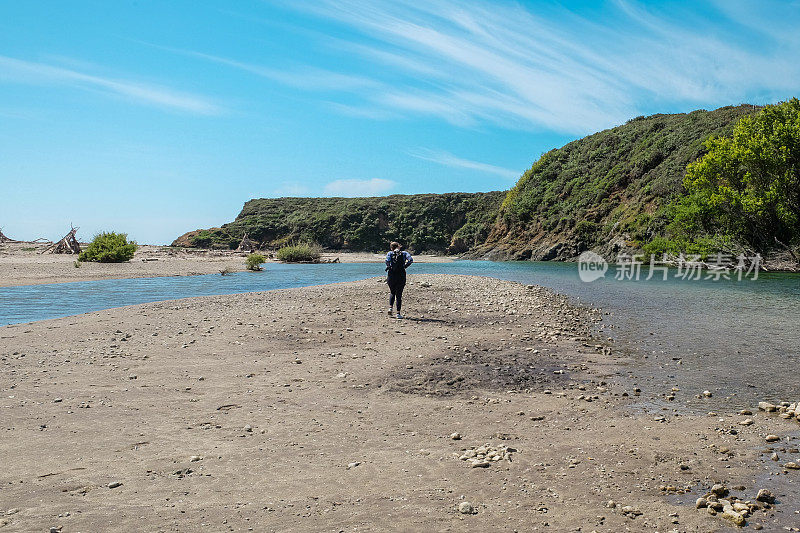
(739, 339)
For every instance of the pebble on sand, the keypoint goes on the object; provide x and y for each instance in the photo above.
(114, 484)
(465, 508)
(719, 490)
(768, 407)
(764, 495)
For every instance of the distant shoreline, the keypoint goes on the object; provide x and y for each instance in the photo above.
(20, 267)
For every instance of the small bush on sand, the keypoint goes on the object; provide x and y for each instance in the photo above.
(109, 248)
(299, 253)
(254, 262)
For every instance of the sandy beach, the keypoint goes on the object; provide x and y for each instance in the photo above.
(24, 264)
(312, 410)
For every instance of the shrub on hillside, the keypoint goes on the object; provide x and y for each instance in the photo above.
(746, 189)
(299, 253)
(254, 262)
(109, 248)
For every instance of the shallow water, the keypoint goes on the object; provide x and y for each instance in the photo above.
(738, 339)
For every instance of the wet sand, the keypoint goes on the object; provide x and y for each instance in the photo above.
(312, 410)
(24, 264)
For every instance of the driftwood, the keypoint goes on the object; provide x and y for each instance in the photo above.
(67, 245)
(247, 245)
(3, 238)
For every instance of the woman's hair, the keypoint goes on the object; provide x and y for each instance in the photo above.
(394, 246)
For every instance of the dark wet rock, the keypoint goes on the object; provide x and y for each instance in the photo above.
(766, 496)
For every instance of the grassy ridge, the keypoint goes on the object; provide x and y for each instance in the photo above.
(610, 184)
(451, 222)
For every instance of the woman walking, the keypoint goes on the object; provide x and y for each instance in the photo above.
(397, 261)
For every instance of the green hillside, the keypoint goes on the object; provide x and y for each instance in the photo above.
(604, 190)
(625, 189)
(452, 222)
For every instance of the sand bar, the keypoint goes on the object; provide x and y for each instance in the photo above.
(312, 410)
(23, 264)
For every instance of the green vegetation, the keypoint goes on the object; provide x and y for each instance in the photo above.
(703, 182)
(299, 253)
(254, 262)
(615, 182)
(422, 222)
(109, 248)
(745, 192)
(213, 238)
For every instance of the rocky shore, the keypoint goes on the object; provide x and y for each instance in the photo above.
(491, 407)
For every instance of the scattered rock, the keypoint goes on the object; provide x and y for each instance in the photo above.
(746, 422)
(195, 458)
(483, 456)
(455, 436)
(719, 490)
(768, 407)
(732, 516)
(353, 464)
(114, 484)
(792, 466)
(630, 512)
(707, 394)
(700, 503)
(248, 428)
(465, 508)
(772, 438)
(766, 496)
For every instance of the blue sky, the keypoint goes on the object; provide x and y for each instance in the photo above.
(155, 118)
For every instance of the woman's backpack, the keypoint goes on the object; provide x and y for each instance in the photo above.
(397, 262)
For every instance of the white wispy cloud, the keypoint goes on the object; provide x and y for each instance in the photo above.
(301, 77)
(21, 71)
(447, 159)
(471, 61)
(352, 188)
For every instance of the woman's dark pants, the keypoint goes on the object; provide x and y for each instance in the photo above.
(396, 286)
